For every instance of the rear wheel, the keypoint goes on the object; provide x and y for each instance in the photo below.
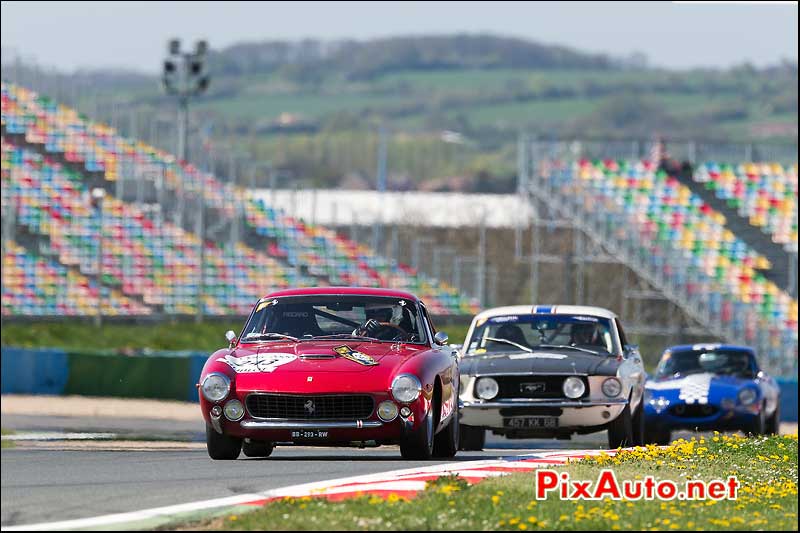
(419, 444)
(257, 448)
(472, 438)
(620, 431)
(445, 443)
(222, 447)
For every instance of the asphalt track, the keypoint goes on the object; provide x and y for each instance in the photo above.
(63, 481)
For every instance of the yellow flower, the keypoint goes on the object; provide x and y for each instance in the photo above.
(523, 526)
(233, 518)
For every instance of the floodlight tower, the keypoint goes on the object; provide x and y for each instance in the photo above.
(185, 76)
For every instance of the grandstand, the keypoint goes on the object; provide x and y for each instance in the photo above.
(669, 236)
(52, 156)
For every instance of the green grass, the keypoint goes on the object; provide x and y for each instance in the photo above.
(766, 469)
(204, 337)
(6, 443)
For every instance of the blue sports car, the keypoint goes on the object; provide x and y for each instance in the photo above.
(710, 387)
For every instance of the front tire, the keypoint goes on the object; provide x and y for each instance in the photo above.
(774, 422)
(637, 423)
(222, 447)
(256, 448)
(472, 439)
(758, 426)
(419, 444)
(620, 431)
(445, 443)
(661, 437)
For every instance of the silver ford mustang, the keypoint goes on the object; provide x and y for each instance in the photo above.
(550, 371)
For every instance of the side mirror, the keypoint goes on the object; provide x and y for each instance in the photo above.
(231, 337)
(441, 338)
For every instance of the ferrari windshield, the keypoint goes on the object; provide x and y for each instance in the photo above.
(723, 362)
(320, 316)
(524, 333)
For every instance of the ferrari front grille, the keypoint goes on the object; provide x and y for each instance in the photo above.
(310, 407)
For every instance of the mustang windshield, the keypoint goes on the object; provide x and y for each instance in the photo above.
(525, 333)
(724, 362)
(335, 317)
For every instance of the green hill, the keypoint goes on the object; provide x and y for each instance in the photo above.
(313, 108)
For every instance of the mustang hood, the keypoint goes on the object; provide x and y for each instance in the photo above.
(549, 361)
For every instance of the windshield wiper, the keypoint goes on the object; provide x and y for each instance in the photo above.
(340, 336)
(268, 335)
(567, 346)
(512, 343)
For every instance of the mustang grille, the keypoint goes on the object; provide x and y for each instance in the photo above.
(302, 407)
(537, 387)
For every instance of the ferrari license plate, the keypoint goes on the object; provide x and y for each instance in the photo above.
(531, 422)
(310, 434)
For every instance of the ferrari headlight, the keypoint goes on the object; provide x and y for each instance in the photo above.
(611, 387)
(387, 411)
(406, 388)
(486, 388)
(573, 387)
(234, 410)
(747, 396)
(215, 387)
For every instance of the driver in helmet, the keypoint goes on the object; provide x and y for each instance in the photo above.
(586, 335)
(382, 322)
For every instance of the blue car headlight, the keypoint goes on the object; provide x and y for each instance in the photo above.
(748, 396)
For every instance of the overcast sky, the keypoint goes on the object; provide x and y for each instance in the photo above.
(70, 35)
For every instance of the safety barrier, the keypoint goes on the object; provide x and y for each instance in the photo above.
(163, 375)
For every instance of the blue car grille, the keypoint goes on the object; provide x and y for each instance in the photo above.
(694, 410)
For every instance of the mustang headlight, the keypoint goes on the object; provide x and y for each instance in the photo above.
(573, 387)
(611, 387)
(747, 396)
(215, 387)
(486, 388)
(406, 388)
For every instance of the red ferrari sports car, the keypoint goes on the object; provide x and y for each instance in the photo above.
(333, 366)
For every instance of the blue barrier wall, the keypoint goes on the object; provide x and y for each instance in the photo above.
(788, 399)
(34, 371)
(195, 368)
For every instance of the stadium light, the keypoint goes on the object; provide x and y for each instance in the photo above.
(185, 76)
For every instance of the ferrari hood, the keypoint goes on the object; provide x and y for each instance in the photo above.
(321, 356)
